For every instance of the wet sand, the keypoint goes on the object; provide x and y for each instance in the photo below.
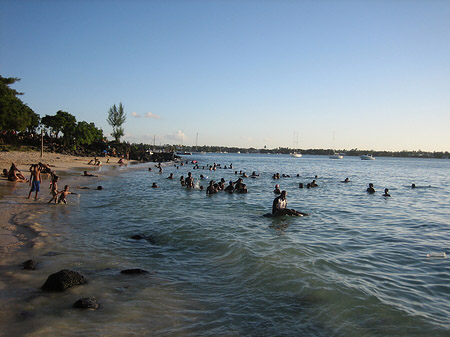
(66, 166)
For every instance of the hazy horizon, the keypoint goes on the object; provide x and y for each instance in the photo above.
(376, 74)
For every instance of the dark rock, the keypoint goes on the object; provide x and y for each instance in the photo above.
(134, 271)
(86, 303)
(27, 314)
(62, 280)
(29, 265)
(137, 237)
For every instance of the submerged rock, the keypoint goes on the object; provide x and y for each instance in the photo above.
(89, 303)
(62, 280)
(29, 265)
(134, 271)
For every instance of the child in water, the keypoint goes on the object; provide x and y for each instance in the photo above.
(54, 189)
(63, 194)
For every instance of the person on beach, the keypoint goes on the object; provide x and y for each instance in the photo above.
(63, 195)
(45, 168)
(35, 181)
(5, 173)
(386, 193)
(14, 174)
(370, 189)
(279, 207)
(54, 189)
(86, 174)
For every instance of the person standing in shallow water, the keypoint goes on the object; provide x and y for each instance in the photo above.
(370, 189)
(35, 181)
(279, 206)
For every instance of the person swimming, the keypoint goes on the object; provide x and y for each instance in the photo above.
(277, 189)
(386, 193)
(370, 189)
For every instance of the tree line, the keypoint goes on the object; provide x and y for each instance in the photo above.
(17, 117)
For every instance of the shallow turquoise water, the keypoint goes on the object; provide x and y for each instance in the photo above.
(356, 266)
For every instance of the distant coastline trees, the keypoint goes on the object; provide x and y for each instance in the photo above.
(116, 118)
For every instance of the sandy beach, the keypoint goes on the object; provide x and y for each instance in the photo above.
(11, 236)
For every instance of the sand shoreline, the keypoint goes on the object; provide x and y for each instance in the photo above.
(11, 237)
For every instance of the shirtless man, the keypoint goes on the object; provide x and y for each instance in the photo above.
(35, 181)
(370, 189)
(211, 189)
(189, 182)
(279, 207)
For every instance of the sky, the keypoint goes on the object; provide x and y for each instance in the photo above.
(371, 75)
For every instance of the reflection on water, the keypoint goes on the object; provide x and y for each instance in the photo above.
(356, 266)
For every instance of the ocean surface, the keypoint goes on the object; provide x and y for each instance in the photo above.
(356, 266)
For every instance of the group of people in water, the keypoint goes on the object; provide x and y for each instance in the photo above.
(279, 205)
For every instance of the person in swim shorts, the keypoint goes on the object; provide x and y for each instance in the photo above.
(35, 181)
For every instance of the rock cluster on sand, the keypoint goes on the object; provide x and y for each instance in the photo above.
(134, 271)
(86, 303)
(62, 280)
(29, 265)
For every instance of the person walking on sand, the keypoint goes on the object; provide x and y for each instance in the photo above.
(35, 181)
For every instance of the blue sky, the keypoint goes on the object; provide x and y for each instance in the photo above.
(240, 73)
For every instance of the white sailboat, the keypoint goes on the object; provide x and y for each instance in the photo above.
(296, 153)
(335, 155)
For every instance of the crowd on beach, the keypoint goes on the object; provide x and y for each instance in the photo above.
(35, 179)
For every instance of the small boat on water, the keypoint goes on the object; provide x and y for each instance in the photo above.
(296, 154)
(184, 153)
(336, 156)
(367, 157)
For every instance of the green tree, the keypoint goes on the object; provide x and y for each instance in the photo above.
(62, 122)
(14, 114)
(116, 118)
(87, 133)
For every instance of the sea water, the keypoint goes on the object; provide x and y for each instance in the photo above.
(356, 266)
